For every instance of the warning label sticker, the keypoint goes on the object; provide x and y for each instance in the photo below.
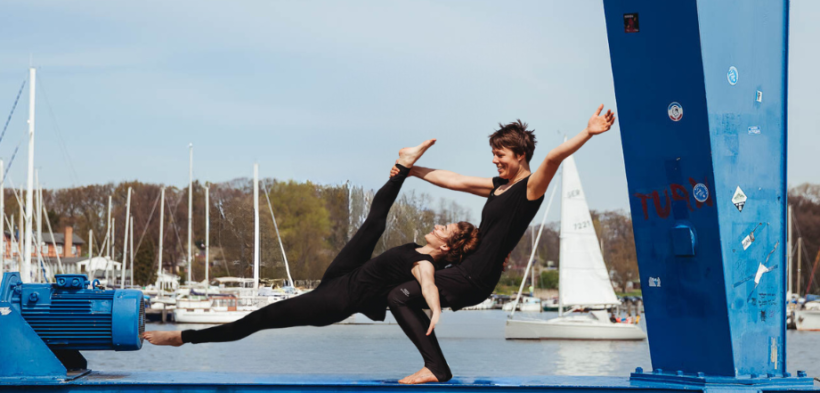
(739, 199)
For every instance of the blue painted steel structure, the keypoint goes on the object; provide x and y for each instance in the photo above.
(706, 162)
(701, 90)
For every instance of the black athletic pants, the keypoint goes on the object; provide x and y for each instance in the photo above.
(326, 304)
(407, 303)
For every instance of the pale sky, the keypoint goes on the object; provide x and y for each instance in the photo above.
(326, 91)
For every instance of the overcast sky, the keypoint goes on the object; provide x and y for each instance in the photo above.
(326, 91)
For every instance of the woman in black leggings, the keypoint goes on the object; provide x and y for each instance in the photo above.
(354, 282)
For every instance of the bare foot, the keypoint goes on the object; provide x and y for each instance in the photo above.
(422, 376)
(411, 377)
(158, 337)
(409, 155)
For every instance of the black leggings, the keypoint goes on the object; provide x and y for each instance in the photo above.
(407, 302)
(326, 304)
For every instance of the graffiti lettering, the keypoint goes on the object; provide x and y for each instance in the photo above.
(663, 205)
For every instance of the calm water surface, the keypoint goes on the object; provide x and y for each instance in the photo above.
(473, 342)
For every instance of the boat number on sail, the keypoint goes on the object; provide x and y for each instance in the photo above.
(573, 193)
(675, 193)
(654, 281)
(581, 225)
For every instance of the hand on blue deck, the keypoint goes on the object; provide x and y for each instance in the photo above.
(433, 321)
(599, 124)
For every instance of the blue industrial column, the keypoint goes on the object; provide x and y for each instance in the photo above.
(701, 94)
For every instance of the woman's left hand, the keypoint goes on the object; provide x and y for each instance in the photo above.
(598, 124)
(433, 322)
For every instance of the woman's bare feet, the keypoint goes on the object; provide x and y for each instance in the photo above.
(158, 337)
(409, 155)
(422, 376)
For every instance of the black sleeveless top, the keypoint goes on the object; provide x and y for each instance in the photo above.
(370, 284)
(504, 220)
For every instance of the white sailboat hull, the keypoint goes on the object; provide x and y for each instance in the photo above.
(207, 316)
(571, 328)
(807, 320)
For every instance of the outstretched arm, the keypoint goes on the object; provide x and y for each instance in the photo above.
(425, 274)
(541, 178)
(481, 186)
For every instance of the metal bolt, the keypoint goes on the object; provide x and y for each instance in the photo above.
(33, 297)
(787, 375)
(658, 371)
(770, 375)
(801, 374)
(701, 374)
(75, 283)
(679, 372)
(639, 370)
(61, 282)
(753, 375)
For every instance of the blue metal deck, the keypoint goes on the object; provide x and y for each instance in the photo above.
(232, 382)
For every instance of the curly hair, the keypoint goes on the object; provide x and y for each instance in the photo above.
(464, 241)
(515, 137)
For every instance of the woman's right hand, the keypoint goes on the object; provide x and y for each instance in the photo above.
(393, 170)
(433, 321)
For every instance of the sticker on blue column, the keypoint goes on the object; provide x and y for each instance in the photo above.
(754, 130)
(732, 75)
(700, 192)
(759, 96)
(739, 199)
(675, 111)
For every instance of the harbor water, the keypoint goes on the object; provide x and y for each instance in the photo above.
(473, 342)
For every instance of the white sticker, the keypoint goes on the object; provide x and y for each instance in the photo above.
(5, 311)
(739, 199)
(747, 241)
(759, 96)
(654, 281)
(754, 130)
(774, 352)
(675, 111)
(700, 192)
(732, 75)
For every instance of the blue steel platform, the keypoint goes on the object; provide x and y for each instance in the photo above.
(232, 382)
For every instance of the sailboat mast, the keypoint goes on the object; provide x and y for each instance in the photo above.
(125, 238)
(161, 233)
(109, 235)
(131, 229)
(190, 202)
(207, 233)
(38, 241)
(255, 229)
(26, 271)
(789, 256)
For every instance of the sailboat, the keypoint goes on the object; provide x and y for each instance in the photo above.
(583, 282)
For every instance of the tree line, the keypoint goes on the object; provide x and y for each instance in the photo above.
(315, 221)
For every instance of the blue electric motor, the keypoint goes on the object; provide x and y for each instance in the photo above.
(67, 315)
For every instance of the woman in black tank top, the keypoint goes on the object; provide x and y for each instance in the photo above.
(513, 199)
(354, 282)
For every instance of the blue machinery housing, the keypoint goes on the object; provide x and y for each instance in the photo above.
(701, 92)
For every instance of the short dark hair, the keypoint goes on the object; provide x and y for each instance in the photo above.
(515, 137)
(463, 241)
